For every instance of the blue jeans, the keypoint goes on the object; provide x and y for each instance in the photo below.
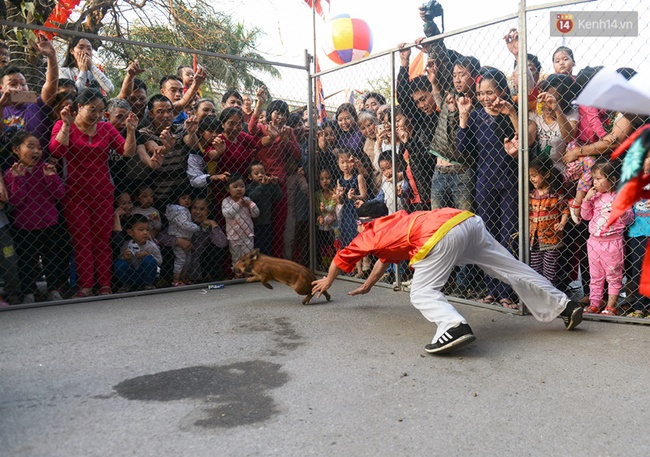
(453, 190)
(128, 274)
(456, 190)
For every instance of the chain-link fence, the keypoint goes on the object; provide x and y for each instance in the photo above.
(131, 167)
(123, 177)
(447, 128)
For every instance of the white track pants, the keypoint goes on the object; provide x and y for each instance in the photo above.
(470, 243)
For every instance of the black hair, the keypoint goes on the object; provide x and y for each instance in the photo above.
(372, 209)
(346, 107)
(295, 120)
(385, 156)
(254, 163)
(139, 190)
(607, 168)
(544, 166)
(342, 152)
(327, 124)
(67, 82)
(210, 124)
(69, 60)
(380, 98)
(532, 58)
(276, 105)
(201, 101)
(420, 83)
(499, 78)
(134, 219)
(166, 78)
(18, 137)
(504, 127)
(229, 112)
(10, 70)
(565, 86)
(231, 93)
(568, 52)
(470, 63)
(584, 76)
(156, 99)
(139, 84)
(88, 95)
(234, 178)
(179, 191)
(61, 96)
(387, 116)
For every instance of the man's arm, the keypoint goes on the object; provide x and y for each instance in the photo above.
(49, 89)
(321, 285)
(375, 275)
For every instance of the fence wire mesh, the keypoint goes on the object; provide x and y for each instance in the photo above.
(121, 176)
(129, 167)
(442, 129)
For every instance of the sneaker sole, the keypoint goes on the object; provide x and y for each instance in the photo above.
(456, 344)
(575, 319)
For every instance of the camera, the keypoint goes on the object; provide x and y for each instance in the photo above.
(432, 9)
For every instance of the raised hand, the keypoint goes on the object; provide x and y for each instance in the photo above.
(44, 47)
(67, 116)
(404, 54)
(166, 138)
(157, 158)
(450, 101)
(134, 69)
(219, 145)
(222, 177)
(18, 169)
(49, 169)
(200, 76)
(512, 146)
(502, 106)
(547, 99)
(512, 41)
(132, 122)
(464, 105)
(84, 62)
(192, 124)
(262, 95)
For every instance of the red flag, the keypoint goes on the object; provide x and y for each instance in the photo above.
(319, 6)
(320, 97)
(416, 68)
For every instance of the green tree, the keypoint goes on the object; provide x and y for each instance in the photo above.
(181, 23)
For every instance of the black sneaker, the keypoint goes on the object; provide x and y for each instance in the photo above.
(451, 340)
(572, 314)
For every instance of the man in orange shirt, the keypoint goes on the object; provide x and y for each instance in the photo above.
(436, 241)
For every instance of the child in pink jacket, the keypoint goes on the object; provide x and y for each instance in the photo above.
(605, 244)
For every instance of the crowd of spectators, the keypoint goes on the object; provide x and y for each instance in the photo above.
(149, 190)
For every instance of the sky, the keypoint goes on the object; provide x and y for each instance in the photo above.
(287, 26)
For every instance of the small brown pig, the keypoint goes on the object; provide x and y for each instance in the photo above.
(264, 268)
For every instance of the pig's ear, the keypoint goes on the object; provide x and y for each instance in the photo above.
(255, 253)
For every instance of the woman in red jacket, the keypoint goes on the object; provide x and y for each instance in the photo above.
(85, 142)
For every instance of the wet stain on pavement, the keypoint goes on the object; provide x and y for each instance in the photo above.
(285, 336)
(232, 395)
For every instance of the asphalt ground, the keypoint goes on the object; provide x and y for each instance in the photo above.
(245, 371)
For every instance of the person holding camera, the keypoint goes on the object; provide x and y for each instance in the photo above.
(24, 109)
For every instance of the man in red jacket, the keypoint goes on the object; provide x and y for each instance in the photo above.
(436, 241)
